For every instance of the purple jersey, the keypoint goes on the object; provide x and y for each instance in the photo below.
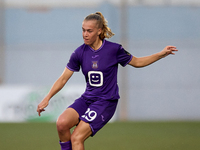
(100, 69)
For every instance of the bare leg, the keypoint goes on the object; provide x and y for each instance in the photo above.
(68, 119)
(80, 134)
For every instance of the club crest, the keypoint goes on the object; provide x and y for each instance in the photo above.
(94, 64)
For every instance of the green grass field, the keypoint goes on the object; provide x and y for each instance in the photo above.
(114, 136)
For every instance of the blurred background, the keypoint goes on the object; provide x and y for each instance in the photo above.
(38, 37)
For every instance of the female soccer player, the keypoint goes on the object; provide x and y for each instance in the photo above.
(98, 59)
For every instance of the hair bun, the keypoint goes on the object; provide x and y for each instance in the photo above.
(100, 14)
(102, 23)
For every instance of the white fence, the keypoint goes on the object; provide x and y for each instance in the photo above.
(19, 103)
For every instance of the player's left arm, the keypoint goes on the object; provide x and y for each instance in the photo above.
(139, 62)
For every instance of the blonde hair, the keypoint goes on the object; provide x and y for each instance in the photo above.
(102, 23)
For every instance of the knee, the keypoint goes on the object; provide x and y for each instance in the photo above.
(62, 125)
(76, 139)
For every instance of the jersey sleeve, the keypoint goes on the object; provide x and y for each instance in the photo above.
(123, 57)
(74, 62)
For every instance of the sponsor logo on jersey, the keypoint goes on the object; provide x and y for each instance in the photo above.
(95, 78)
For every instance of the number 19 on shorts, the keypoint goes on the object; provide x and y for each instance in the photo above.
(90, 115)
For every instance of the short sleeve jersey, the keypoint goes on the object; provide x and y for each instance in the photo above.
(100, 69)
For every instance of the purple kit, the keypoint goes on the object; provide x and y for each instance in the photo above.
(100, 70)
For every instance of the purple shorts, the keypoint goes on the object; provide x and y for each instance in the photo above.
(96, 113)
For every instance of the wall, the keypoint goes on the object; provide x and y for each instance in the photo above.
(40, 42)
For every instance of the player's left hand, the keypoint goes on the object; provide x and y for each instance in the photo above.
(167, 51)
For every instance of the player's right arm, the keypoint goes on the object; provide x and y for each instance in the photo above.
(57, 86)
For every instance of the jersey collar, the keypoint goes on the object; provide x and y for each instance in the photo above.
(103, 42)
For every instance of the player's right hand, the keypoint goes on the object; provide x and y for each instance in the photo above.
(44, 103)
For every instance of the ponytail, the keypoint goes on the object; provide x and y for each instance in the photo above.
(102, 23)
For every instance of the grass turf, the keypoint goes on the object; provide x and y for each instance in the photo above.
(114, 136)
